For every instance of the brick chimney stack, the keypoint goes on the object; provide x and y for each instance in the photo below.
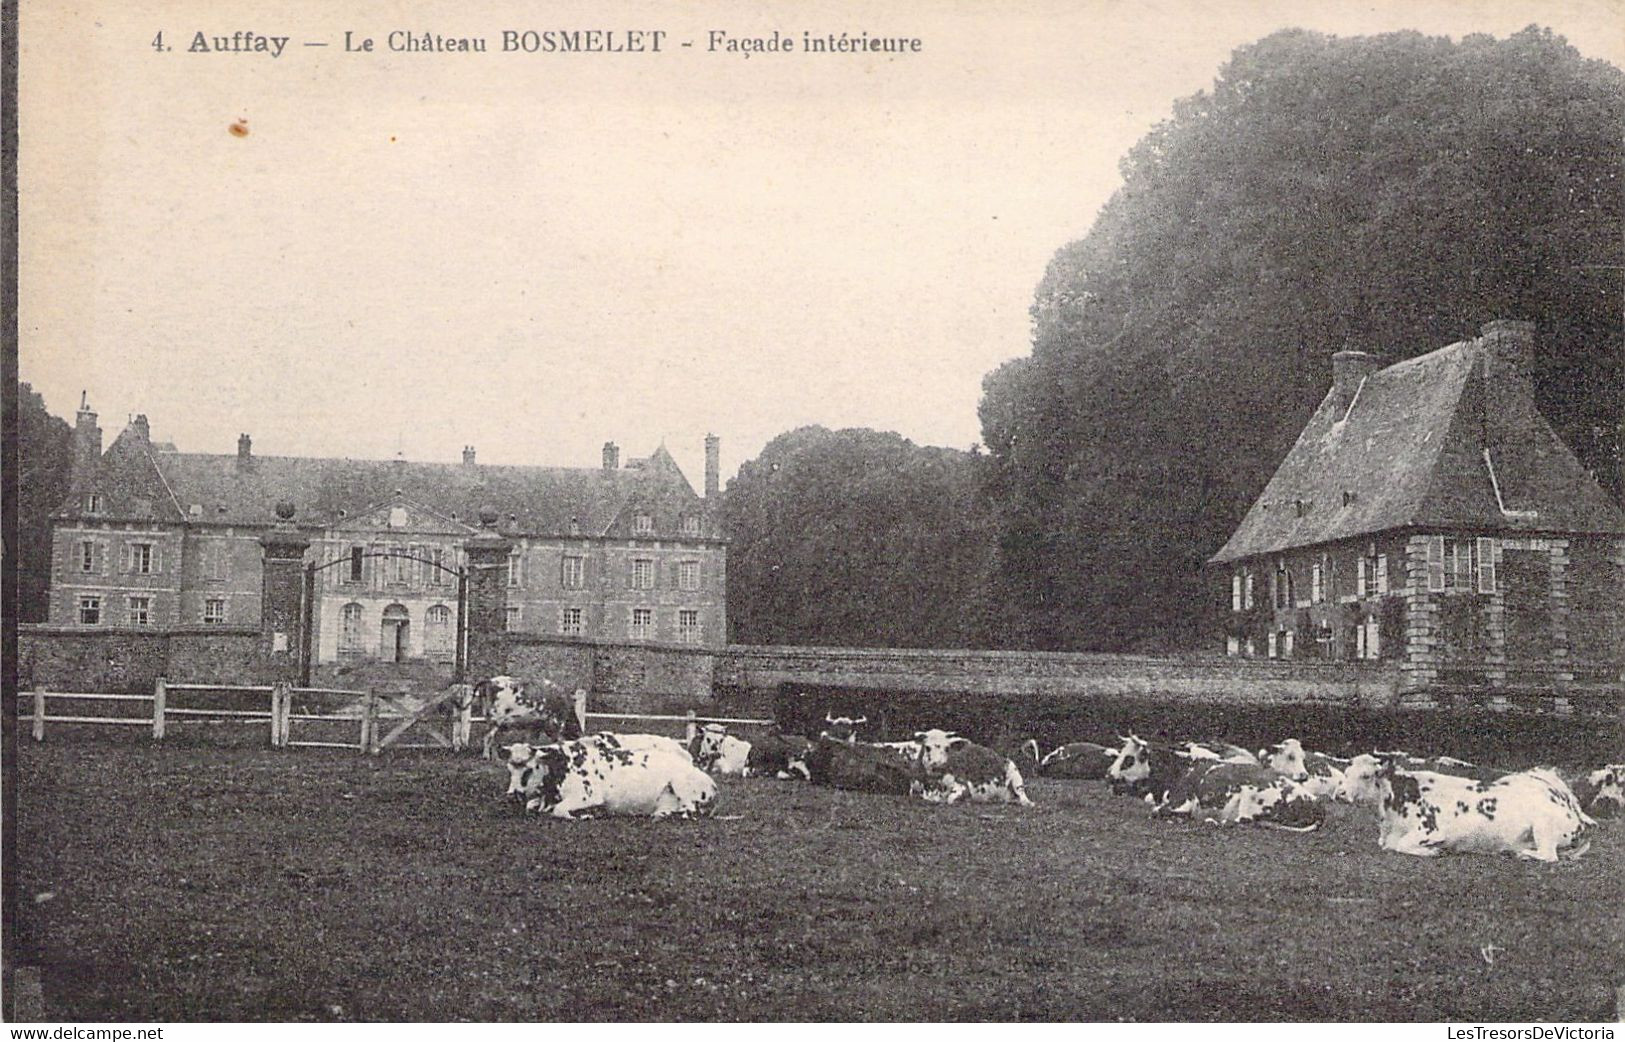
(87, 441)
(612, 457)
(139, 427)
(245, 451)
(468, 455)
(1349, 370)
(713, 466)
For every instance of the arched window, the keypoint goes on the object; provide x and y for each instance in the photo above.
(350, 629)
(437, 633)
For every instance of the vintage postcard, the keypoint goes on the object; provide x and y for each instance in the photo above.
(770, 511)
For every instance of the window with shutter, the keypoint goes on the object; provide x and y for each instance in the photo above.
(1373, 642)
(1235, 592)
(1382, 573)
(1272, 644)
(1436, 564)
(1247, 599)
(1359, 641)
(1486, 566)
(1317, 587)
(1359, 578)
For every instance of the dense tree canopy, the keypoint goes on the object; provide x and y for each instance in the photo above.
(857, 537)
(44, 461)
(1389, 193)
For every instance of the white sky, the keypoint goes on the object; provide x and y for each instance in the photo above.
(537, 253)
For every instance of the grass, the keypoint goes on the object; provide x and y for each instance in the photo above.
(192, 882)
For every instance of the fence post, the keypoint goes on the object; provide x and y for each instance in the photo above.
(690, 729)
(160, 696)
(39, 714)
(369, 724)
(276, 714)
(465, 718)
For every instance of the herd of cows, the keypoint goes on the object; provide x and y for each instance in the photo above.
(1425, 806)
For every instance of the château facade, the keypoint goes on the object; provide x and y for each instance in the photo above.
(153, 537)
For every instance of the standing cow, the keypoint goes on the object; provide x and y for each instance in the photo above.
(539, 708)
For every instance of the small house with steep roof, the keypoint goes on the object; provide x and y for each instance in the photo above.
(1430, 518)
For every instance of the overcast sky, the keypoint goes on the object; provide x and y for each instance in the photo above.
(534, 254)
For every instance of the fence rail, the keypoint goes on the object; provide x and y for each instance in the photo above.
(279, 715)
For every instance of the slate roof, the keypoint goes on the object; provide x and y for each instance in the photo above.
(140, 481)
(1410, 454)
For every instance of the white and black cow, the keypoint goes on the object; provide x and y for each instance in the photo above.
(599, 775)
(957, 769)
(1532, 814)
(1319, 774)
(1084, 761)
(519, 755)
(1602, 792)
(538, 708)
(1224, 752)
(1243, 793)
(718, 752)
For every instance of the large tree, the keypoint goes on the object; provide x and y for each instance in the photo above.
(1389, 193)
(858, 537)
(44, 460)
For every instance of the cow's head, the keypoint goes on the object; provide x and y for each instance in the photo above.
(1132, 763)
(935, 745)
(1287, 758)
(843, 728)
(1605, 790)
(540, 776)
(707, 747)
(1360, 783)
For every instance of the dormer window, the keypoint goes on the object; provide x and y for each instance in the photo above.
(1349, 497)
(93, 503)
(643, 524)
(691, 525)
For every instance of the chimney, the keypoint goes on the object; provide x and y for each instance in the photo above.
(140, 429)
(87, 442)
(1506, 355)
(468, 455)
(245, 455)
(1349, 371)
(612, 457)
(713, 468)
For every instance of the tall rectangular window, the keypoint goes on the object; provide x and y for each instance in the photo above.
(350, 629)
(216, 558)
(1436, 564)
(572, 572)
(140, 611)
(90, 610)
(1235, 592)
(357, 564)
(570, 622)
(688, 626)
(214, 611)
(642, 623)
(643, 524)
(1317, 584)
(1247, 593)
(688, 575)
(87, 555)
(142, 558)
(1486, 566)
(511, 619)
(643, 574)
(1382, 573)
(516, 568)
(93, 503)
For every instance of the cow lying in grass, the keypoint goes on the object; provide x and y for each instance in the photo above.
(600, 774)
(1318, 773)
(1084, 761)
(1532, 813)
(957, 769)
(777, 755)
(718, 752)
(1602, 792)
(1240, 794)
(858, 767)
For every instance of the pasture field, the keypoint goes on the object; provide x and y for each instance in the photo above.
(208, 883)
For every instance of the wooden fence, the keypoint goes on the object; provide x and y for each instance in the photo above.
(368, 709)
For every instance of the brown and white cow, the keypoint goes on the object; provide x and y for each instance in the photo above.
(718, 752)
(1147, 770)
(777, 755)
(842, 728)
(840, 764)
(1242, 793)
(539, 708)
(1083, 761)
(957, 769)
(1602, 792)
(598, 775)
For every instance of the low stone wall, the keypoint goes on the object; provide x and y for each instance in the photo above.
(130, 660)
(755, 673)
(628, 678)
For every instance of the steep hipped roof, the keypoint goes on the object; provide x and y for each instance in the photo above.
(1410, 452)
(529, 500)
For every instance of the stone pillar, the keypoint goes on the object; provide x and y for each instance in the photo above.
(282, 593)
(487, 608)
(1495, 626)
(1418, 661)
(1559, 563)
